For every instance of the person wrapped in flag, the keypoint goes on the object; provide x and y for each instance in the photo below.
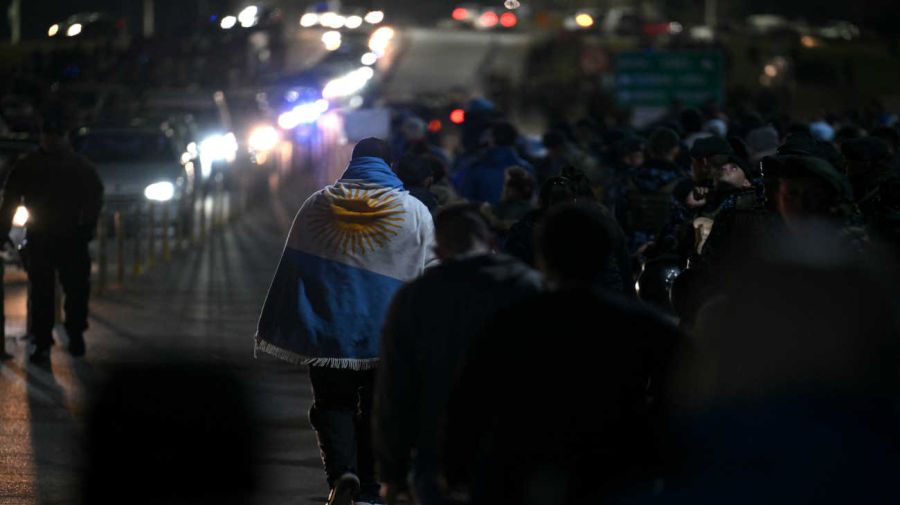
(352, 245)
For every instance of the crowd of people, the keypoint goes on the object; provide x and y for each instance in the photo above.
(704, 310)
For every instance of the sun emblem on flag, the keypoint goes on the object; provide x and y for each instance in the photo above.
(358, 221)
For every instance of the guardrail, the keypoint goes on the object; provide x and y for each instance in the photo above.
(132, 240)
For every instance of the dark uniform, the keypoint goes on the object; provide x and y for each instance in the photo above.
(63, 195)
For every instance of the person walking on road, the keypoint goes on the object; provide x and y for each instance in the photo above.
(353, 244)
(64, 196)
(428, 330)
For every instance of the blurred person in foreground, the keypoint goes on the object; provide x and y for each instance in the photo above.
(596, 360)
(353, 244)
(787, 393)
(64, 196)
(427, 332)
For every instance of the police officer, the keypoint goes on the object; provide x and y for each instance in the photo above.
(63, 195)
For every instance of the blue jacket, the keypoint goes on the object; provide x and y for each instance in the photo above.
(483, 181)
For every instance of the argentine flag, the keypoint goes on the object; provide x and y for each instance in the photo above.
(351, 247)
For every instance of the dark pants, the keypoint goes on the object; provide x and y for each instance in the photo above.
(342, 417)
(45, 257)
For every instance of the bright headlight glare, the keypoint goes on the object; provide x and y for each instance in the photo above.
(21, 217)
(54, 29)
(74, 30)
(219, 147)
(247, 17)
(160, 192)
(348, 84)
(228, 22)
(374, 17)
(263, 138)
(309, 20)
(353, 22)
(369, 59)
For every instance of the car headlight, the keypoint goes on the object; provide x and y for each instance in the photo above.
(219, 147)
(263, 138)
(21, 217)
(160, 191)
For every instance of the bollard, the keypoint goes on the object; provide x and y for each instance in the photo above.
(137, 267)
(203, 219)
(120, 248)
(151, 236)
(57, 300)
(101, 255)
(166, 251)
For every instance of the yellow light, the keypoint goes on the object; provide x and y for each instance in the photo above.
(21, 217)
(771, 70)
(584, 20)
(263, 138)
(74, 30)
(809, 42)
(53, 31)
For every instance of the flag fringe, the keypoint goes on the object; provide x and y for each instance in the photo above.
(299, 359)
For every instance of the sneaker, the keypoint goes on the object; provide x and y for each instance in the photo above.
(76, 344)
(345, 490)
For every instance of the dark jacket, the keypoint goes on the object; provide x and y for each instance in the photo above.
(562, 389)
(61, 190)
(430, 324)
(483, 181)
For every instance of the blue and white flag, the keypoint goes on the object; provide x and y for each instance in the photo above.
(351, 247)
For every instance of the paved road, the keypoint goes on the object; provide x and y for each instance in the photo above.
(203, 304)
(435, 61)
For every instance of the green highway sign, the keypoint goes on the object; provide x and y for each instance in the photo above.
(659, 78)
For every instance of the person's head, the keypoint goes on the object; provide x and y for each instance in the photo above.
(691, 120)
(702, 152)
(556, 191)
(519, 185)
(554, 141)
(865, 155)
(413, 128)
(730, 172)
(461, 231)
(53, 132)
(373, 148)
(631, 152)
(807, 188)
(574, 242)
(503, 134)
(762, 140)
(414, 171)
(663, 144)
(846, 133)
(890, 136)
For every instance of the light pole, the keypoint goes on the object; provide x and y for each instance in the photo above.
(14, 14)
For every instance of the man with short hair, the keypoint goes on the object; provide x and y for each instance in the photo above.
(428, 330)
(596, 364)
(352, 246)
